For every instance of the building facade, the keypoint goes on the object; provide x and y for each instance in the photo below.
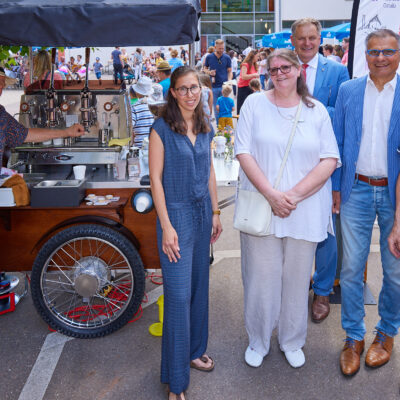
(242, 22)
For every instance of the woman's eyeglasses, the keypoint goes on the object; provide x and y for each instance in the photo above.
(285, 69)
(183, 90)
(385, 52)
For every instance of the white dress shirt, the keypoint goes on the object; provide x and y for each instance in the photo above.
(311, 73)
(372, 158)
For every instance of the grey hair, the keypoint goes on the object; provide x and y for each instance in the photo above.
(291, 57)
(382, 33)
(306, 21)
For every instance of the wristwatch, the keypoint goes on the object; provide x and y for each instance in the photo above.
(217, 212)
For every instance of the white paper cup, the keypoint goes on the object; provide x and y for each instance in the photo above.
(79, 171)
(58, 141)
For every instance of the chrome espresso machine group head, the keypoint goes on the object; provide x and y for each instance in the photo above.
(104, 113)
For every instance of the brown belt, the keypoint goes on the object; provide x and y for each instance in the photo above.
(373, 182)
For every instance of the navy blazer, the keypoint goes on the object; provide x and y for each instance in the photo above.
(347, 125)
(330, 75)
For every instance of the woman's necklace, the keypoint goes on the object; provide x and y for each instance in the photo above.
(287, 117)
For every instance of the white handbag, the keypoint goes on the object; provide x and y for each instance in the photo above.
(253, 212)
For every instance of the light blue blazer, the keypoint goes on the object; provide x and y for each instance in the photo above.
(347, 125)
(330, 75)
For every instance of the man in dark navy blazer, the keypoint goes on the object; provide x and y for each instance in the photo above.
(367, 128)
(323, 79)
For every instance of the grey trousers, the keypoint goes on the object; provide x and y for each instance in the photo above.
(276, 277)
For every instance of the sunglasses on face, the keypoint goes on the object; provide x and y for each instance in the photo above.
(385, 52)
(285, 69)
(183, 90)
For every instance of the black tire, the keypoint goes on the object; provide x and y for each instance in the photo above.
(85, 268)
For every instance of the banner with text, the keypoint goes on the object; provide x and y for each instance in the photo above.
(368, 16)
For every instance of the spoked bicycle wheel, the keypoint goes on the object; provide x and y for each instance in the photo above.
(87, 281)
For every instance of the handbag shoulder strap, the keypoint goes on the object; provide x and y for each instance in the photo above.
(289, 145)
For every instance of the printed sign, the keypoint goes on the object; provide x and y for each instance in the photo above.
(368, 16)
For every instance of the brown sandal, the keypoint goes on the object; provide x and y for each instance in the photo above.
(177, 396)
(205, 359)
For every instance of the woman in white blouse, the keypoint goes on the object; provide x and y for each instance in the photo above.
(276, 268)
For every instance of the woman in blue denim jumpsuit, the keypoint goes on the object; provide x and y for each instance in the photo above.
(184, 191)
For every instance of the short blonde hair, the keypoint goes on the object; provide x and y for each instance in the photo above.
(226, 90)
(174, 53)
(306, 21)
(219, 41)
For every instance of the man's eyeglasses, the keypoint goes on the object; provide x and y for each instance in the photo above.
(385, 52)
(183, 90)
(219, 61)
(285, 69)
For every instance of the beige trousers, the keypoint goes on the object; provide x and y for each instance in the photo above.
(276, 277)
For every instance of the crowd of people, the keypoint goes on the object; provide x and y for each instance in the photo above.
(340, 139)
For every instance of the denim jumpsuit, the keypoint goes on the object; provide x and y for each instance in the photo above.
(185, 181)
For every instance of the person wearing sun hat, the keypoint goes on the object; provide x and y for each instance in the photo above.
(163, 74)
(142, 118)
(12, 133)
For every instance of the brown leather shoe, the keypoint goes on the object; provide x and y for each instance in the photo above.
(350, 356)
(320, 308)
(380, 351)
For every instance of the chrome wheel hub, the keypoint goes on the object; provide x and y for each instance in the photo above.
(90, 275)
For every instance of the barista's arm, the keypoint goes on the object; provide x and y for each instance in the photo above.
(43, 134)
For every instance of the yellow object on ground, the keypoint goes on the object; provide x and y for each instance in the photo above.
(157, 328)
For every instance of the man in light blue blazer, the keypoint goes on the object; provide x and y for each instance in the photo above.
(367, 127)
(323, 78)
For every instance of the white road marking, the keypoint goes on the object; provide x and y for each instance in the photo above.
(219, 255)
(43, 369)
(153, 296)
(40, 376)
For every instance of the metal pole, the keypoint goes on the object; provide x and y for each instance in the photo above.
(191, 54)
(30, 65)
(278, 17)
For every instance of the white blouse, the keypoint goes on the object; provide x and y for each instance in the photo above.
(263, 131)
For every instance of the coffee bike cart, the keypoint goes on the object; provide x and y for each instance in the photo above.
(88, 261)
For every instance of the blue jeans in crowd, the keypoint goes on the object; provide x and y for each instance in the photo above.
(262, 80)
(357, 218)
(217, 92)
(325, 264)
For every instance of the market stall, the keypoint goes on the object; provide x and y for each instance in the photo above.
(87, 261)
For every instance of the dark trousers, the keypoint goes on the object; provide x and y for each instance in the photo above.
(118, 70)
(234, 86)
(243, 92)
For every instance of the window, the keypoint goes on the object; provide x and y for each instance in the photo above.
(210, 28)
(237, 16)
(210, 17)
(237, 27)
(261, 5)
(213, 5)
(264, 27)
(237, 5)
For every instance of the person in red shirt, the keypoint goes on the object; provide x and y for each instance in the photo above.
(248, 71)
(345, 47)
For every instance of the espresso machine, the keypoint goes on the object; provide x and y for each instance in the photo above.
(104, 112)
